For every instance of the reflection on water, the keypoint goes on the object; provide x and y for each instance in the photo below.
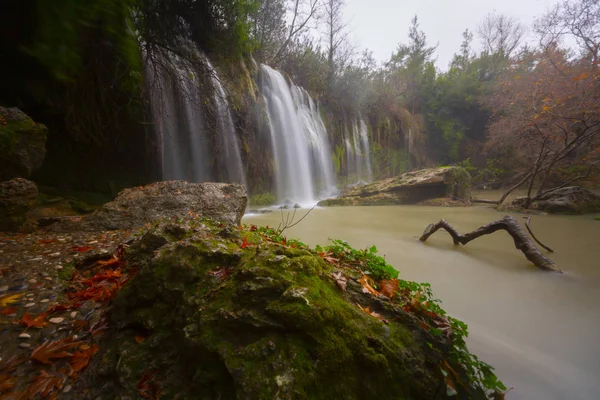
(539, 329)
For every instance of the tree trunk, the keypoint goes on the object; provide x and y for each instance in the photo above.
(509, 224)
(513, 188)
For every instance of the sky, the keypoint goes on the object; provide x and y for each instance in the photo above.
(380, 25)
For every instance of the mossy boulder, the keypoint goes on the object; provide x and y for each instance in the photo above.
(410, 188)
(568, 200)
(219, 312)
(22, 144)
(17, 197)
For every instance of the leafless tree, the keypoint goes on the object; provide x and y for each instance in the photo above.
(303, 12)
(501, 34)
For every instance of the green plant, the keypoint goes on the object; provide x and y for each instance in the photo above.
(263, 199)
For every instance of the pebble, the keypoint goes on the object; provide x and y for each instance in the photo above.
(36, 259)
(25, 345)
(3, 289)
(57, 320)
(59, 267)
(24, 336)
(73, 314)
(93, 242)
(29, 305)
(44, 300)
(48, 278)
(67, 389)
(32, 281)
(55, 254)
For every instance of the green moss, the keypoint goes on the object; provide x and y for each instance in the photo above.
(12, 131)
(459, 183)
(66, 273)
(263, 199)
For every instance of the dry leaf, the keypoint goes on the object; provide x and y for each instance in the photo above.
(367, 283)
(82, 357)
(6, 300)
(340, 280)
(43, 385)
(389, 287)
(57, 349)
(37, 322)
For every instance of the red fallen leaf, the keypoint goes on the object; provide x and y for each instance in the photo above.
(57, 349)
(327, 256)
(146, 388)
(43, 385)
(47, 241)
(37, 322)
(245, 243)
(8, 311)
(139, 339)
(81, 249)
(253, 228)
(79, 324)
(373, 313)
(389, 287)
(56, 308)
(221, 273)
(81, 358)
(7, 382)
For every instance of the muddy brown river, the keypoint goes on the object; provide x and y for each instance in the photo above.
(540, 330)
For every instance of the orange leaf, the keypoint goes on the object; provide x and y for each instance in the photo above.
(57, 349)
(139, 339)
(367, 284)
(47, 241)
(7, 382)
(245, 243)
(43, 385)
(146, 388)
(389, 287)
(106, 263)
(31, 322)
(82, 358)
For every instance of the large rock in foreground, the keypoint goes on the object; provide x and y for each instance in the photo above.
(22, 144)
(410, 188)
(138, 206)
(568, 200)
(17, 197)
(222, 313)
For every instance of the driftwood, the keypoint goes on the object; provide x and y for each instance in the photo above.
(509, 224)
(527, 222)
(484, 201)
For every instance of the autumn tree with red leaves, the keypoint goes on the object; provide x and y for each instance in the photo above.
(547, 104)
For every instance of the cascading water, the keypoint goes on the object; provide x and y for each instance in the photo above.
(358, 152)
(303, 164)
(231, 162)
(178, 100)
(178, 117)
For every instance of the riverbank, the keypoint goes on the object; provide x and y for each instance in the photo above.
(525, 322)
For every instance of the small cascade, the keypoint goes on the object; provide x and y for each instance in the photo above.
(178, 117)
(178, 103)
(303, 165)
(358, 152)
(231, 160)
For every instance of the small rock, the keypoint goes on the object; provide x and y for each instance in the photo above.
(57, 320)
(24, 345)
(59, 267)
(29, 305)
(93, 242)
(67, 389)
(36, 259)
(44, 300)
(24, 336)
(32, 281)
(73, 314)
(55, 254)
(48, 278)
(3, 289)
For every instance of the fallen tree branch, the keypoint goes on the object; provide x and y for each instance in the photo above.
(509, 224)
(528, 220)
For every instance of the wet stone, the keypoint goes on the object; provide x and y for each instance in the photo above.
(57, 320)
(32, 280)
(24, 345)
(29, 305)
(24, 336)
(44, 300)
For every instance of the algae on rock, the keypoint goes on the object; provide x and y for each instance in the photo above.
(228, 313)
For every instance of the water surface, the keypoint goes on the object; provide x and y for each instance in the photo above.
(540, 330)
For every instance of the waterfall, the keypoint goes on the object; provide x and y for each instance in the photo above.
(176, 100)
(301, 152)
(232, 160)
(358, 152)
(178, 105)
